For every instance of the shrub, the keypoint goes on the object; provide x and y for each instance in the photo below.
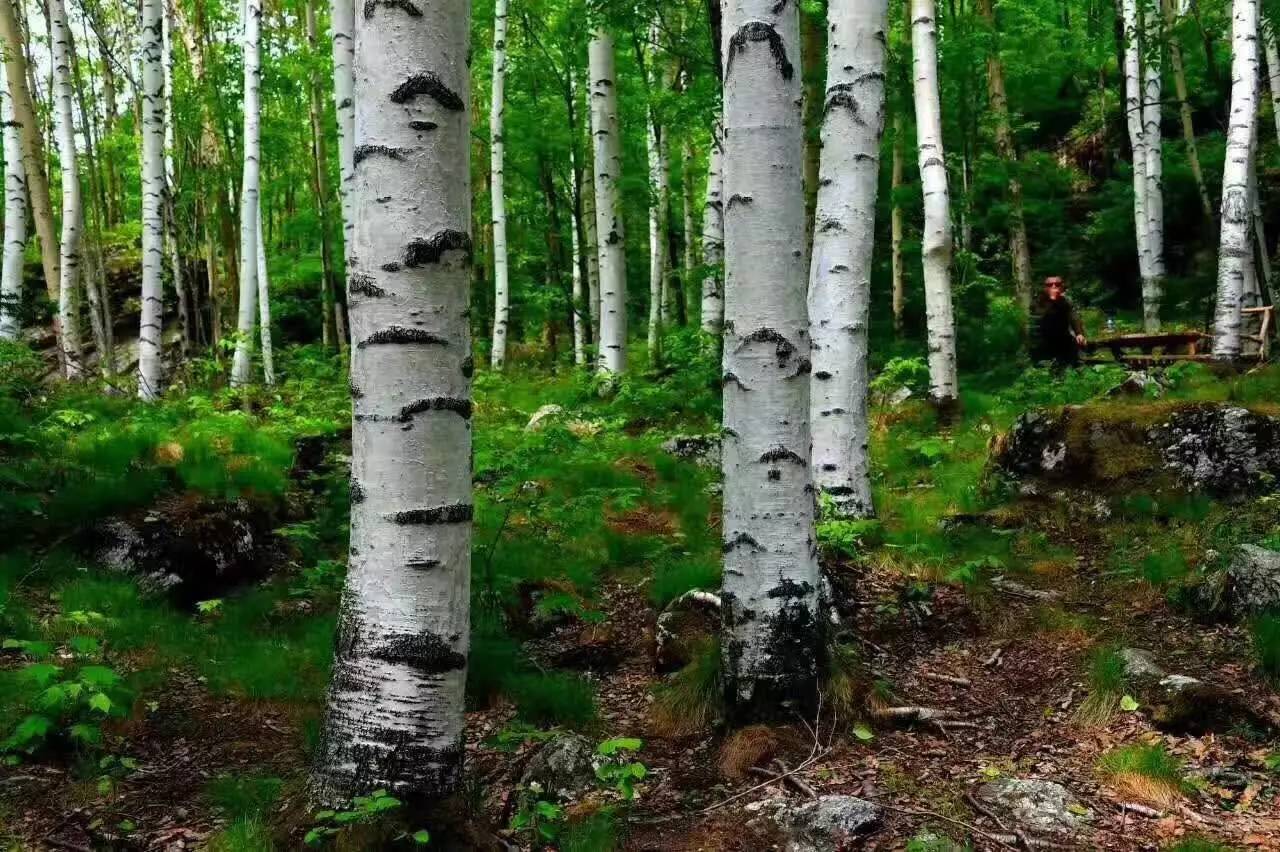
(243, 797)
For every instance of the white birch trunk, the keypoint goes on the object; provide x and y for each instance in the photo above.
(15, 220)
(1135, 117)
(771, 580)
(1152, 94)
(897, 226)
(342, 27)
(151, 327)
(497, 188)
(590, 244)
(713, 239)
(264, 310)
(844, 237)
(660, 199)
(1273, 70)
(1235, 251)
(937, 242)
(171, 186)
(580, 318)
(610, 236)
(690, 243)
(395, 708)
(242, 365)
(69, 252)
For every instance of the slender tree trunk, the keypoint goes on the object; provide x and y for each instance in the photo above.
(591, 245)
(582, 326)
(1235, 246)
(332, 331)
(689, 244)
(937, 243)
(1140, 83)
(1273, 69)
(1261, 283)
(395, 708)
(713, 239)
(660, 192)
(770, 588)
(151, 329)
(264, 310)
(1184, 107)
(187, 326)
(813, 46)
(610, 237)
(242, 366)
(896, 224)
(342, 25)
(15, 221)
(1153, 94)
(1019, 249)
(581, 322)
(497, 189)
(72, 214)
(844, 239)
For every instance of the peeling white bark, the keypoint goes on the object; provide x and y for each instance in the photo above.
(69, 251)
(342, 27)
(497, 189)
(264, 309)
(150, 331)
(770, 587)
(242, 365)
(610, 236)
(937, 240)
(15, 220)
(1235, 251)
(395, 707)
(713, 238)
(844, 237)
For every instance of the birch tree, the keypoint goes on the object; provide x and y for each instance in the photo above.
(770, 587)
(264, 308)
(610, 236)
(72, 212)
(242, 365)
(497, 189)
(395, 706)
(713, 239)
(151, 327)
(342, 26)
(937, 242)
(1143, 91)
(15, 221)
(1272, 51)
(896, 224)
(185, 319)
(590, 245)
(1235, 252)
(17, 73)
(844, 236)
(659, 198)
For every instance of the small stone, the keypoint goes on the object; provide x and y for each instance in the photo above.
(900, 396)
(563, 767)
(1140, 664)
(1254, 575)
(1042, 806)
(828, 824)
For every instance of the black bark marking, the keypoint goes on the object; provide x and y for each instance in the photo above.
(822, 375)
(740, 199)
(363, 285)
(789, 588)
(739, 540)
(408, 8)
(468, 367)
(423, 125)
(430, 85)
(425, 652)
(757, 31)
(461, 407)
(400, 334)
(364, 152)
(830, 225)
(781, 453)
(391, 267)
(838, 490)
(785, 348)
(423, 252)
(732, 379)
(357, 492)
(457, 513)
(423, 564)
(830, 468)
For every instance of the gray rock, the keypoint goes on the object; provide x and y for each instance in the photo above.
(1254, 574)
(702, 450)
(829, 823)
(1140, 665)
(1221, 449)
(1138, 383)
(541, 416)
(1035, 805)
(900, 396)
(564, 767)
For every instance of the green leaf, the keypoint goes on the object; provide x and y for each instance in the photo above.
(34, 727)
(324, 816)
(100, 702)
(613, 746)
(1128, 704)
(85, 646)
(85, 733)
(98, 677)
(863, 733)
(42, 673)
(421, 837)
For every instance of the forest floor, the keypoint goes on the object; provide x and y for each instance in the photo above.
(1006, 612)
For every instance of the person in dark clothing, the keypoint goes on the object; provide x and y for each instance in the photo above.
(1059, 332)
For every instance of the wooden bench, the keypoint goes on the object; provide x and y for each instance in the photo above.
(1149, 349)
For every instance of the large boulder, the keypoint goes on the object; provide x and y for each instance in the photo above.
(1043, 807)
(1224, 450)
(1253, 581)
(830, 824)
(191, 547)
(563, 768)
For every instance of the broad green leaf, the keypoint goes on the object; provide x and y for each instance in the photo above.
(1128, 704)
(609, 747)
(863, 733)
(100, 702)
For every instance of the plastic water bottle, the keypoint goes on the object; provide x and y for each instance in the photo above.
(1111, 324)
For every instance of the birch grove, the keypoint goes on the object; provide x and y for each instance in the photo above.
(497, 189)
(1236, 252)
(770, 587)
(844, 237)
(937, 240)
(609, 227)
(395, 708)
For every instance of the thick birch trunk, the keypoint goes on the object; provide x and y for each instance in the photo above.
(1235, 251)
(610, 237)
(264, 310)
(1019, 249)
(1184, 107)
(844, 237)
(896, 226)
(937, 243)
(151, 327)
(72, 214)
(497, 189)
(1134, 115)
(713, 239)
(342, 26)
(242, 365)
(395, 708)
(33, 161)
(15, 221)
(772, 623)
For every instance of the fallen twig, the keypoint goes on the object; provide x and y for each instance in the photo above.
(795, 780)
(1140, 810)
(994, 659)
(945, 678)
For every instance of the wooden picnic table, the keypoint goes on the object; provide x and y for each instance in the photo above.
(1148, 349)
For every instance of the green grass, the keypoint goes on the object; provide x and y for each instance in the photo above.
(1264, 633)
(243, 835)
(1145, 770)
(1106, 682)
(1199, 844)
(596, 833)
(689, 700)
(244, 796)
(673, 578)
(552, 699)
